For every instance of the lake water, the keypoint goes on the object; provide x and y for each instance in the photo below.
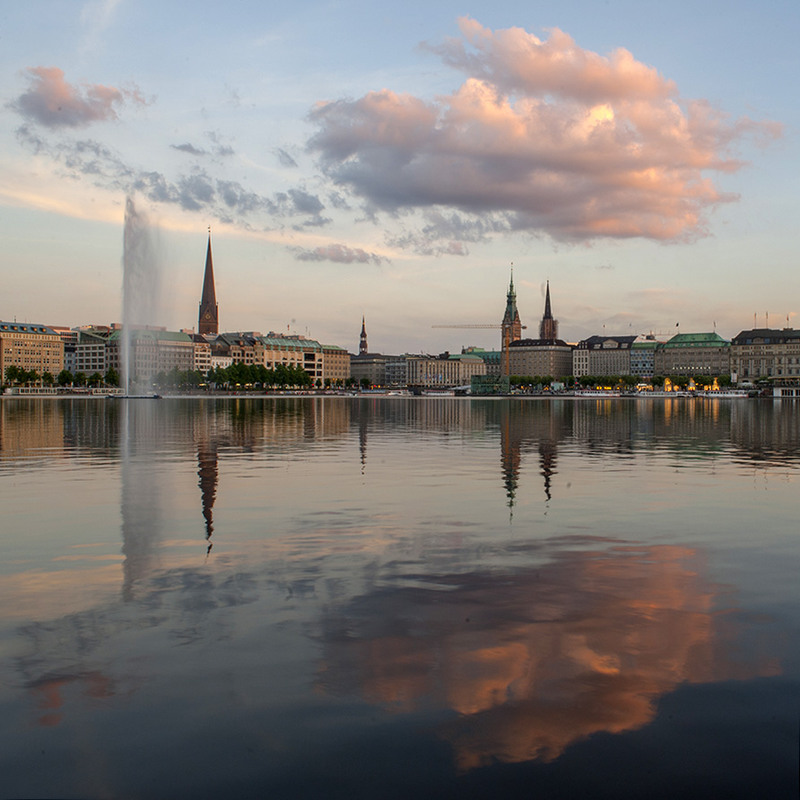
(399, 597)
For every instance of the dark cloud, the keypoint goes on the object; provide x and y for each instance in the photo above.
(284, 158)
(54, 103)
(339, 254)
(542, 137)
(190, 149)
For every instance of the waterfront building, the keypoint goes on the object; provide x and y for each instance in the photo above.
(765, 353)
(369, 367)
(363, 348)
(208, 318)
(153, 351)
(492, 358)
(689, 354)
(397, 371)
(293, 351)
(603, 356)
(33, 348)
(540, 357)
(335, 365)
(547, 355)
(201, 352)
(445, 370)
(243, 347)
(84, 351)
(548, 327)
(511, 327)
(643, 355)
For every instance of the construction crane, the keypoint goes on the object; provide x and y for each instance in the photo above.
(506, 337)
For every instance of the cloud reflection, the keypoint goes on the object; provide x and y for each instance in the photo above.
(534, 660)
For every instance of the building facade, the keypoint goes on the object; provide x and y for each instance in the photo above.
(33, 348)
(689, 354)
(603, 356)
(85, 352)
(153, 351)
(540, 358)
(444, 371)
(765, 353)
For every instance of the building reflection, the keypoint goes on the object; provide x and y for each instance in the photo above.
(534, 660)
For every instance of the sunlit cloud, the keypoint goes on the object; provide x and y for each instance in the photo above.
(54, 103)
(542, 137)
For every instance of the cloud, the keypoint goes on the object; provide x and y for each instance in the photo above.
(190, 149)
(339, 254)
(284, 158)
(52, 102)
(218, 149)
(542, 137)
(196, 190)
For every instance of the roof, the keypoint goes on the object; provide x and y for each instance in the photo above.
(766, 336)
(24, 327)
(539, 343)
(155, 335)
(696, 340)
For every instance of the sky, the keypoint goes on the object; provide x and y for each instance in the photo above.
(354, 159)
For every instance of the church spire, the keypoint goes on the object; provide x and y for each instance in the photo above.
(511, 325)
(208, 320)
(362, 342)
(548, 328)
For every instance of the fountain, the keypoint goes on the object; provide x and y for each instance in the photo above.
(141, 292)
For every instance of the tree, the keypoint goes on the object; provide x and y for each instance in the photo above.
(365, 383)
(111, 377)
(12, 373)
(48, 379)
(657, 381)
(80, 379)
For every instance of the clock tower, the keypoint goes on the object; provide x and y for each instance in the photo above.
(208, 320)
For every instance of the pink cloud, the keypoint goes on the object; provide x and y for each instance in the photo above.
(53, 102)
(541, 136)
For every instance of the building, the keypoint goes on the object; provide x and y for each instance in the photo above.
(242, 347)
(85, 351)
(548, 327)
(363, 348)
(369, 368)
(689, 354)
(201, 352)
(335, 365)
(397, 371)
(540, 358)
(208, 317)
(33, 348)
(511, 327)
(366, 367)
(153, 351)
(765, 353)
(603, 356)
(546, 356)
(444, 371)
(643, 357)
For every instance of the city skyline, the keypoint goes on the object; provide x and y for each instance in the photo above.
(364, 162)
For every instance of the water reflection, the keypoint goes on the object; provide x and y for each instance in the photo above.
(363, 559)
(535, 659)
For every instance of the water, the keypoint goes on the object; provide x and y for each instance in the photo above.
(336, 597)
